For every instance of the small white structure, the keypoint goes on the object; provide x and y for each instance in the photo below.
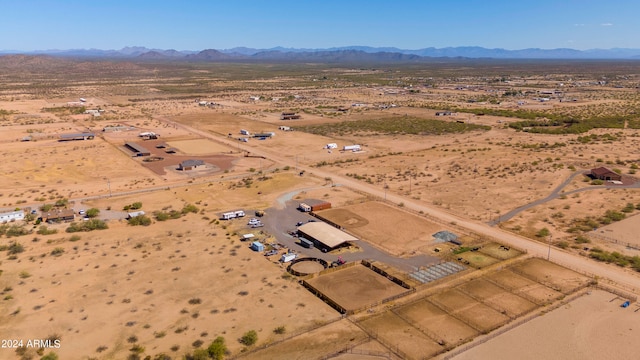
(228, 215)
(11, 216)
(232, 215)
(93, 112)
(353, 148)
(244, 132)
(131, 215)
(246, 237)
(288, 257)
(284, 128)
(148, 134)
(331, 146)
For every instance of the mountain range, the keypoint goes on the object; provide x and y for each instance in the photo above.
(339, 54)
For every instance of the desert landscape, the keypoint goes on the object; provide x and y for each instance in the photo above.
(490, 202)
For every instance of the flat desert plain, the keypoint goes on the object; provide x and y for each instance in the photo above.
(504, 144)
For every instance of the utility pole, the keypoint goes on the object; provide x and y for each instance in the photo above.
(549, 251)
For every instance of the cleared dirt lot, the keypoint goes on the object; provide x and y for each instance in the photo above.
(377, 223)
(600, 329)
(355, 287)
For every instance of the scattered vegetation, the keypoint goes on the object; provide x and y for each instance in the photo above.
(90, 225)
(406, 125)
(249, 338)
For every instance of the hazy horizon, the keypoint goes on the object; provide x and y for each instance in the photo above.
(581, 25)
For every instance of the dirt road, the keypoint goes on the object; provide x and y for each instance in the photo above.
(623, 278)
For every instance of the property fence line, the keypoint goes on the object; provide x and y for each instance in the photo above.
(517, 292)
(324, 297)
(614, 241)
(394, 279)
(351, 349)
(374, 335)
(508, 326)
(613, 290)
(453, 225)
(288, 336)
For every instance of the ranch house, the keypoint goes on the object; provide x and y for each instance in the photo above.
(58, 215)
(190, 164)
(603, 173)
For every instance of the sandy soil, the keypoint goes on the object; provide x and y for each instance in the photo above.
(110, 287)
(376, 223)
(600, 329)
(625, 231)
(355, 287)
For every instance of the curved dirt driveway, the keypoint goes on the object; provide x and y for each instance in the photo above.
(624, 278)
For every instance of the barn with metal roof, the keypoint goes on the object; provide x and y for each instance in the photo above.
(324, 236)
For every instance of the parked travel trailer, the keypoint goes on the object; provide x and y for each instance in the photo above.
(331, 146)
(351, 148)
(288, 257)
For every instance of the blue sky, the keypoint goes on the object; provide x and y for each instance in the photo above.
(410, 24)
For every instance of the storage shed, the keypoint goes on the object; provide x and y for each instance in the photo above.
(257, 246)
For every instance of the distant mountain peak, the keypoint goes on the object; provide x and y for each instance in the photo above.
(348, 52)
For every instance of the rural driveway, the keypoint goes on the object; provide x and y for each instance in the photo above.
(557, 193)
(624, 278)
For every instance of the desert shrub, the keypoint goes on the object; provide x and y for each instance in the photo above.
(57, 251)
(132, 339)
(16, 230)
(582, 240)
(137, 349)
(15, 248)
(90, 225)
(190, 208)
(135, 206)
(217, 349)
(161, 216)
(597, 182)
(62, 203)
(199, 354)
(249, 338)
(93, 212)
(50, 356)
(44, 230)
(280, 330)
(140, 220)
(628, 208)
(544, 232)
(562, 244)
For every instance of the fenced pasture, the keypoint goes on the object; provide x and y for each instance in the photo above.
(354, 288)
